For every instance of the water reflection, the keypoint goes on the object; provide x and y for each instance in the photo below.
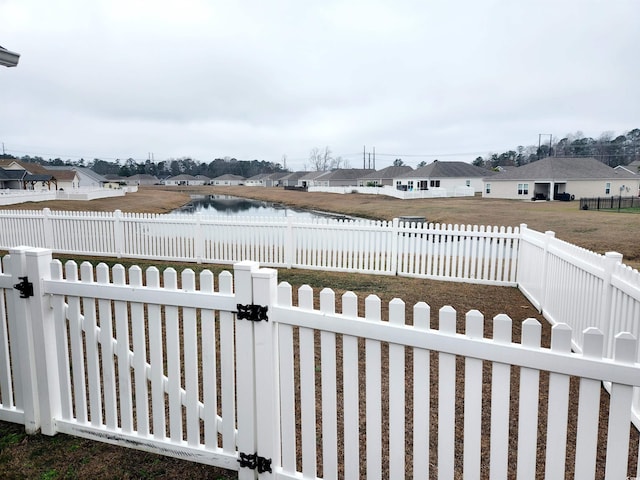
(226, 205)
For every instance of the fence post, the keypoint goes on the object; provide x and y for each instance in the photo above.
(395, 232)
(266, 367)
(47, 228)
(118, 233)
(611, 260)
(23, 354)
(44, 339)
(549, 236)
(198, 240)
(245, 368)
(288, 243)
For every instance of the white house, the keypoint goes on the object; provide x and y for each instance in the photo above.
(180, 180)
(228, 179)
(259, 180)
(86, 176)
(383, 177)
(449, 176)
(562, 178)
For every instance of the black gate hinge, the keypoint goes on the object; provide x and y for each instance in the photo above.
(254, 462)
(255, 313)
(25, 287)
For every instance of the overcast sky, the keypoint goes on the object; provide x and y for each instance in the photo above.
(417, 80)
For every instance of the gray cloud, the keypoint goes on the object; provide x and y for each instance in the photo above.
(252, 79)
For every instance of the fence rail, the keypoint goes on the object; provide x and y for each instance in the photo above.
(172, 367)
(447, 252)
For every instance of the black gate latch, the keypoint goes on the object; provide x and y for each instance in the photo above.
(254, 462)
(255, 313)
(25, 287)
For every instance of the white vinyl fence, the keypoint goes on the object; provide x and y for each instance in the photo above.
(446, 252)
(571, 285)
(238, 376)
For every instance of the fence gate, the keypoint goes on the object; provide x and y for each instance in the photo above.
(143, 360)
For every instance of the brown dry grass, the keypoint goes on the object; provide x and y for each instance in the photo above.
(68, 457)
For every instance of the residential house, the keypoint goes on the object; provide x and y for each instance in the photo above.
(445, 175)
(308, 179)
(66, 180)
(180, 180)
(34, 176)
(562, 178)
(228, 179)
(87, 178)
(633, 167)
(143, 179)
(383, 177)
(11, 179)
(291, 179)
(342, 177)
(259, 180)
(275, 179)
(202, 180)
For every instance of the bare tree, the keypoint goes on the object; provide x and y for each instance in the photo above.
(321, 160)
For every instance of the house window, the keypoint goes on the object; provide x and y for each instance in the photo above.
(468, 183)
(607, 188)
(487, 188)
(434, 183)
(398, 185)
(523, 189)
(410, 184)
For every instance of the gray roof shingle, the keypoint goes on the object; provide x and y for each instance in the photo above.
(563, 168)
(448, 170)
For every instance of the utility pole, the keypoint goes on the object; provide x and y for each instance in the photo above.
(539, 142)
(374, 158)
(364, 157)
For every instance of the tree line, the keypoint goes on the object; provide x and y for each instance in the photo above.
(165, 168)
(607, 148)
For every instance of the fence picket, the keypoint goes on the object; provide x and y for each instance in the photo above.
(446, 399)
(174, 374)
(287, 385)
(191, 364)
(397, 391)
(373, 391)
(156, 358)
(328, 382)
(351, 394)
(421, 398)
(528, 405)
(227, 369)
(558, 407)
(473, 400)
(91, 342)
(588, 410)
(307, 388)
(77, 348)
(500, 396)
(625, 352)
(209, 366)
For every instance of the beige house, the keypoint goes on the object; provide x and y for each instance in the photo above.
(562, 178)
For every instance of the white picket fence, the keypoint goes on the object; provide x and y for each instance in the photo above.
(14, 196)
(446, 252)
(571, 285)
(173, 366)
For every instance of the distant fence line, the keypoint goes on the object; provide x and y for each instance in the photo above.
(609, 203)
(476, 254)
(12, 196)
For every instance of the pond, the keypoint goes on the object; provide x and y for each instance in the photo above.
(229, 206)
